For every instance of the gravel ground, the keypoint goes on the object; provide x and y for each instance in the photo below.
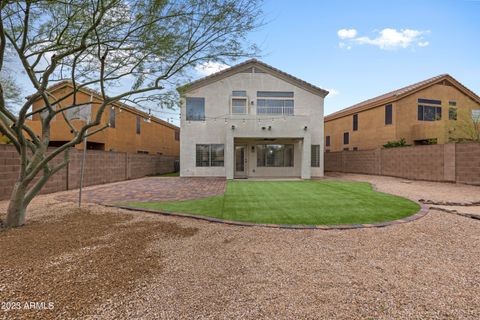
(104, 263)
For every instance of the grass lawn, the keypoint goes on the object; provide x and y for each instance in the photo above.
(295, 202)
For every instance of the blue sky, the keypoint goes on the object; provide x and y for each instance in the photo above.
(429, 38)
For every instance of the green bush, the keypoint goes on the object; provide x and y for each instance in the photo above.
(395, 144)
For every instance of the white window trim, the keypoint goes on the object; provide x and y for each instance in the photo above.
(283, 114)
(239, 98)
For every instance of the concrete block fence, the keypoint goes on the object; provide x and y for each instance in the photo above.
(100, 167)
(443, 162)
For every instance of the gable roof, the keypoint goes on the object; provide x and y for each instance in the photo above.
(96, 94)
(401, 93)
(263, 67)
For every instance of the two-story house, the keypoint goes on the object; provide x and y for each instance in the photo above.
(130, 130)
(251, 120)
(430, 111)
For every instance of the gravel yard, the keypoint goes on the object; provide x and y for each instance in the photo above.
(110, 263)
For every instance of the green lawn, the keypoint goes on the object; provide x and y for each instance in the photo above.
(295, 202)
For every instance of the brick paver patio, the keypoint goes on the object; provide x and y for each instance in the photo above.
(150, 189)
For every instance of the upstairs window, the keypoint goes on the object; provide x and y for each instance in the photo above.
(239, 106)
(138, 122)
(177, 135)
(388, 114)
(111, 118)
(346, 138)
(275, 103)
(315, 155)
(239, 93)
(476, 115)
(452, 113)
(355, 122)
(275, 107)
(429, 110)
(429, 113)
(239, 102)
(327, 141)
(195, 109)
(452, 110)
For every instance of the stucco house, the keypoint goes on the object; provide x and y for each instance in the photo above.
(251, 120)
(426, 112)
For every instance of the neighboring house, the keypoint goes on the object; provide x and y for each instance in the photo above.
(251, 120)
(423, 113)
(131, 130)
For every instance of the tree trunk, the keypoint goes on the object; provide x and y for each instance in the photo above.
(17, 206)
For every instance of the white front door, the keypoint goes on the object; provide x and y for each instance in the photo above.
(241, 161)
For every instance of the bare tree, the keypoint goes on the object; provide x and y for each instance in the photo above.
(97, 43)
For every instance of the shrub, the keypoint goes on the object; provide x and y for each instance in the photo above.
(395, 144)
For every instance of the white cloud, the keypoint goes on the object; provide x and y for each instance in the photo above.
(387, 39)
(347, 33)
(210, 67)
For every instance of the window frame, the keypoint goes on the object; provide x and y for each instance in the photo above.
(327, 141)
(111, 118)
(437, 112)
(355, 122)
(346, 137)
(475, 114)
(232, 106)
(210, 149)
(388, 114)
(200, 118)
(283, 108)
(452, 113)
(138, 128)
(315, 156)
(264, 162)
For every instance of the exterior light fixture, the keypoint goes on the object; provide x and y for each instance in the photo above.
(269, 127)
(233, 127)
(305, 128)
(263, 128)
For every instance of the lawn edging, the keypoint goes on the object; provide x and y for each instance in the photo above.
(420, 214)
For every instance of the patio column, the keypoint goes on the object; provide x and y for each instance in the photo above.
(306, 150)
(229, 155)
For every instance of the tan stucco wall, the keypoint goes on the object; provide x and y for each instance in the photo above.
(373, 133)
(154, 137)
